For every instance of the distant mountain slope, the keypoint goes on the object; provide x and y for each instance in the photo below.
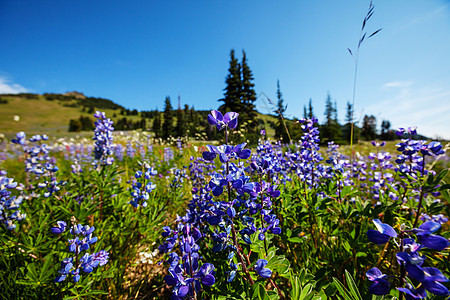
(51, 113)
(48, 113)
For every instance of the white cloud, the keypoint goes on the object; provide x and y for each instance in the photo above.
(8, 87)
(407, 104)
(397, 84)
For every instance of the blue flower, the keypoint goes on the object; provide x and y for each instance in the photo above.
(412, 293)
(380, 285)
(261, 270)
(429, 240)
(221, 121)
(60, 227)
(382, 235)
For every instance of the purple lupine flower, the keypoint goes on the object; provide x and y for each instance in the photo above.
(103, 139)
(411, 293)
(82, 238)
(9, 202)
(382, 235)
(59, 228)
(229, 120)
(429, 240)
(261, 270)
(380, 285)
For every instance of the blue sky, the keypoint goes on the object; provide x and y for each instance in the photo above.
(138, 52)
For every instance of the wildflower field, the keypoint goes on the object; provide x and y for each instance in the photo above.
(128, 216)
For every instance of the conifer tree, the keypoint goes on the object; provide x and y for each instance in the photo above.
(280, 130)
(157, 125)
(232, 95)
(386, 134)
(310, 109)
(369, 127)
(331, 129)
(167, 127)
(180, 128)
(248, 94)
(347, 128)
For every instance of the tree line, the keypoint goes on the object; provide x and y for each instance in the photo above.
(240, 96)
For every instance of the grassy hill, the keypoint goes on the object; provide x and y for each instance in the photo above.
(51, 113)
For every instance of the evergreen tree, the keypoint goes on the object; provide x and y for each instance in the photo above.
(386, 133)
(331, 129)
(180, 128)
(248, 94)
(74, 125)
(232, 95)
(187, 121)
(347, 128)
(157, 125)
(369, 127)
(305, 112)
(167, 127)
(143, 124)
(280, 130)
(310, 109)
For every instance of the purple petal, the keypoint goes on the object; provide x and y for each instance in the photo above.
(435, 274)
(217, 191)
(244, 154)
(209, 155)
(376, 237)
(214, 117)
(433, 241)
(373, 274)
(183, 290)
(385, 228)
(208, 280)
(435, 288)
(430, 226)
(276, 230)
(414, 293)
(415, 272)
(231, 118)
(379, 287)
(231, 212)
(261, 263)
(214, 220)
(265, 273)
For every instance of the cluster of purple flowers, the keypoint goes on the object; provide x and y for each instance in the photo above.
(428, 278)
(81, 241)
(9, 204)
(142, 186)
(38, 162)
(103, 139)
(185, 273)
(246, 210)
(168, 154)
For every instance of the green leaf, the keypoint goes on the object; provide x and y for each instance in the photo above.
(444, 187)
(306, 292)
(352, 286)
(259, 292)
(342, 290)
(440, 176)
(295, 239)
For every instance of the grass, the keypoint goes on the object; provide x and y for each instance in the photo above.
(42, 116)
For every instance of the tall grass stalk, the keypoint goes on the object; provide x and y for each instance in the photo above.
(362, 37)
